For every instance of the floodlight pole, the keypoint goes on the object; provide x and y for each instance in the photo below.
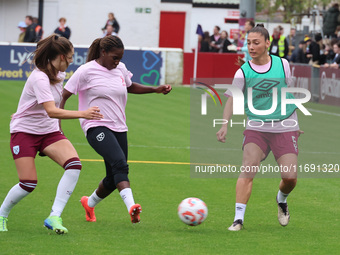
(41, 12)
(247, 12)
(247, 9)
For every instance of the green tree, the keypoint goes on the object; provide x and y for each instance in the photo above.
(289, 7)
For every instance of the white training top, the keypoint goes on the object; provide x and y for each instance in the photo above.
(31, 116)
(107, 89)
(272, 127)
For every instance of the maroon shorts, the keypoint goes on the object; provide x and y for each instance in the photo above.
(27, 145)
(279, 143)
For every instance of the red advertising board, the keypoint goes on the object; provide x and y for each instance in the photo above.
(233, 31)
(301, 77)
(329, 86)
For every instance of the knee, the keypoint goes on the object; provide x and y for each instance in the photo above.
(28, 185)
(290, 181)
(251, 162)
(120, 167)
(249, 169)
(118, 173)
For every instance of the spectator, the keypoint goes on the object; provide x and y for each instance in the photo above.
(312, 51)
(113, 22)
(109, 31)
(235, 39)
(282, 30)
(323, 54)
(22, 26)
(299, 55)
(63, 30)
(278, 44)
(38, 29)
(291, 40)
(215, 39)
(225, 43)
(337, 31)
(336, 60)
(331, 21)
(331, 53)
(205, 43)
(248, 25)
(30, 35)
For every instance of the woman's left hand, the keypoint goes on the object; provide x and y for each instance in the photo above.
(164, 89)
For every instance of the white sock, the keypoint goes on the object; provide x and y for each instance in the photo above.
(94, 199)
(240, 209)
(15, 194)
(282, 197)
(65, 189)
(126, 195)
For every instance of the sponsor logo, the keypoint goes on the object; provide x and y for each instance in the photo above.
(266, 85)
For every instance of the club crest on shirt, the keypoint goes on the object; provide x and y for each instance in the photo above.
(16, 149)
(100, 137)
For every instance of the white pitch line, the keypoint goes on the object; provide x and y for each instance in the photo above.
(324, 112)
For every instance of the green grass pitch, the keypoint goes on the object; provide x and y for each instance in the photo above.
(159, 130)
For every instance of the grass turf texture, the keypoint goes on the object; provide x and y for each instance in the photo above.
(159, 131)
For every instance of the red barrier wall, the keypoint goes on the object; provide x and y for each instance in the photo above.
(329, 86)
(210, 65)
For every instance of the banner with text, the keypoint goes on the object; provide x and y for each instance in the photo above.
(15, 63)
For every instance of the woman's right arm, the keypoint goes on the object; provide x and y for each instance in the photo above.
(55, 112)
(227, 113)
(92, 113)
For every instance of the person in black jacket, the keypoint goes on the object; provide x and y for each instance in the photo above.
(331, 21)
(31, 35)
(113, 22)
(225, 42)
(205, 43)
(335, 62)
(215, 39)
(63, 30)
(312, 50)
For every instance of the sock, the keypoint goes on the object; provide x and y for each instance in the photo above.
(282, 197)
(13, 197)
(240, 209)
(65, 189)
(126, 195)
(94, 199)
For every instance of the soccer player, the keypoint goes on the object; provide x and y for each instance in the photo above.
(105, 81)
(259, 139)
(35, 127)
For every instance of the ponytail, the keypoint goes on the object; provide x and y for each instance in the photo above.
(94, 50)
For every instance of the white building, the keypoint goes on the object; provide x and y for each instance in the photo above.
(140, 20)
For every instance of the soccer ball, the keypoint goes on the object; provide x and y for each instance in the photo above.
(192, 211)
